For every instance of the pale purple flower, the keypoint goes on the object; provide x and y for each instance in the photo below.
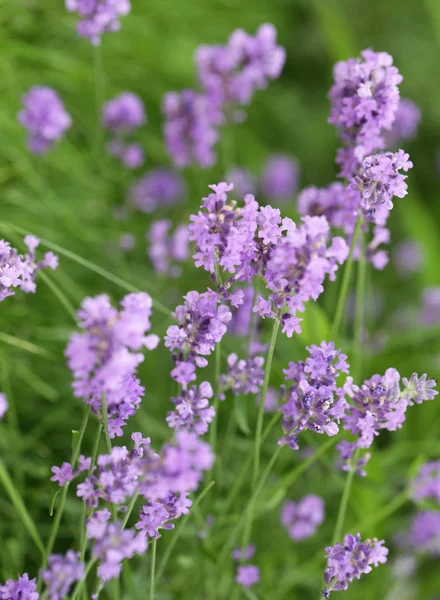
(279, 180)
(407, 258)
(426, 485)
(243, 376)
(193, 411)
(22, 589)
(166, 250)
(301, 519)
(62, 474)
(243, 181)
(424, 535)
(61, 573)
(98, 16)
(3, 405)
(406, 122)
(430, 314)
(158, 188)
(418, 389)
(44, 117)
(123, 114)
(346, 451)
(191, 128)
(247, 575)
(20, 270)
(247, 553)
(350, 561)
(105, 356)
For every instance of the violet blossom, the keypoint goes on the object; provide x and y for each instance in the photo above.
(405, 124)
(193, 411)
(301, 519)
(159, 187)
(244, 376)
(61, 573)
(98, 16)
(279, 180)
(3, 405)
(247, 575)
(426, 485)
(22, 589)
(424, 534)
(166, 250)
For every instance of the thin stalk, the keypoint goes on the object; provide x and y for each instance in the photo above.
(340, 306)
(83, 538)
(253, 315)
(153, 569)
(60, 511)
(259, 430)
(340, 519)
(105, 422)
(99, 95)
(80, 583)
(218, 355)
(360, 310)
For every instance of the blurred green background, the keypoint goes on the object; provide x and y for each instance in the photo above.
(67, 198)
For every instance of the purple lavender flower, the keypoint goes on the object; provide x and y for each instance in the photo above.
(20, 270)
(3, 405)
(379, 181)
(44, 117)
(243, 181)
(61, 573)
(350, 561)
(191, 128)
(364, 98)
(104, 358)
(431, 306)
(98, 16)
(193, 411)
(346, 451)
(427, 483)
(62, 474)
(131, 155)
(279, 180)
(301, 519)
(112, 544)
(201, 324)
(166, 249)
(424, 535)
(247, 575)
(159, 187)
(243, 553)
(407, 258)
(231, 74)
(405, 124)
(243, 376)
(418, 389)
(310, 400)
(22, 589)
(123, 114)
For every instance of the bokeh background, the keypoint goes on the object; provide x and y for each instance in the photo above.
(67, 198)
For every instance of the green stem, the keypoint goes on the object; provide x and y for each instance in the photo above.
(253, 315)
(99, 96)
(153, 569)
(80, 583)
(345, 284)
(259, 430)
(381, 514)
(105, 422)
(60, 511)
(360, 312)
(340, 519)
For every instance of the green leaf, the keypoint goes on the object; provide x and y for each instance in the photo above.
(241, 415)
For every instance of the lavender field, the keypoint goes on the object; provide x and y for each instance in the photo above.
(220, 300)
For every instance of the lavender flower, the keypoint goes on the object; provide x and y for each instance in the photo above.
(379, 181)
(407, 258)
(166, 249)
(98, 16)
(159, 187)
(430, 307)
(424, 535)
(243, 553)
(20, 270)
(3, 405)
(243, 181)
(131, 155)
(364, 99)
(44, 117)
(193, 411)
(22, 589)
(405, 124)
(310, 400)
(279, 180)
(231, 74)
(427, 483)
(201, 324)
(104, 358)
(243, 376)
(301, 519)
(191, 128)
(247, 575)
(61, 573)
(350, 561)
(123, 114)
(346, 451)
(112, 544)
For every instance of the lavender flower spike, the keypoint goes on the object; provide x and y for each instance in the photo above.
(61, 573)
(22, 589)
(98, 16)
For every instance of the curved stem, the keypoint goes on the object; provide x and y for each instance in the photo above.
(360, 310)
(345, 284)
(153, 569)
(340, 519)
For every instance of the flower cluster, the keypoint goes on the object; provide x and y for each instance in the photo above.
(22, 589)
(424, 534)
(256, 240)
(112, 544)
(232, 73)
(405, 124)
(201, 324)
(279, 179)
(313, 401)
(364, 99)
(191, 127)
(122, 116)
(350, 561)
(165, 248)
(243, 376)
(301, 519)
(104, 358)
(44, 117)
(347, 455)
(193, 412)
(247, 575)
(427, 483)
(67, 472)
(98, 16)
(61, 573)
(159, 187)
(430, 314)
(20, 270)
